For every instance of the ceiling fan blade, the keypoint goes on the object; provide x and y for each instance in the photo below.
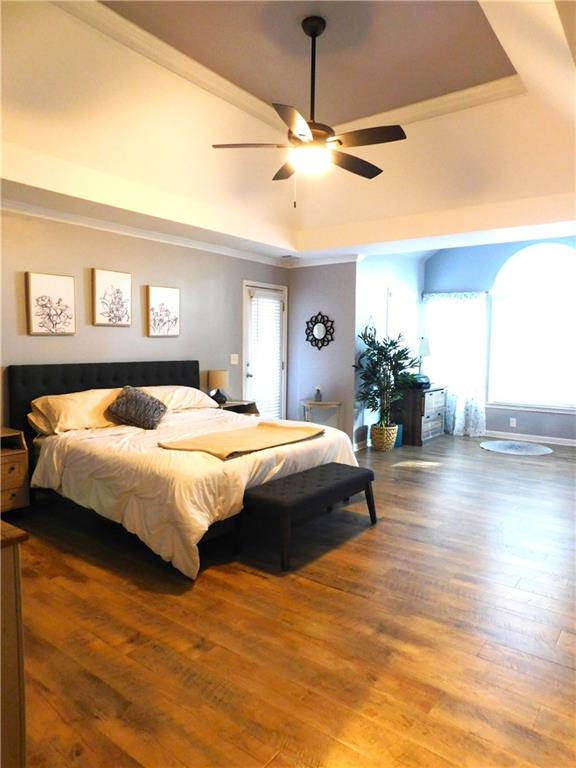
(251, 146)
(355, 165)
(365, 136)
(284, 173)
(294, 121)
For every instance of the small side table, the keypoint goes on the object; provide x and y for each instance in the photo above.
(14, 463)
(241, 406)
(331, 411)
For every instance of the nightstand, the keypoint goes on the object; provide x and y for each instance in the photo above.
(241, 406)
(14, 461)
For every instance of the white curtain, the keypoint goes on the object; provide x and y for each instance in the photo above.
(455, 325)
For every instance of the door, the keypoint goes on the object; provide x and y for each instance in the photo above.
(264, 351)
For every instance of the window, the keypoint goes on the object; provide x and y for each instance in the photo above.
(456, 327)
(533, 329)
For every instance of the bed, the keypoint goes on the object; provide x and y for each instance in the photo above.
(169, 499)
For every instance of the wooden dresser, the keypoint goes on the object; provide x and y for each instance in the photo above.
(422, 413)
(13, 704)
(14, 462)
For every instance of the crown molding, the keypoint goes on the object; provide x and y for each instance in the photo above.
(322, 261)
(67, 217)
(503, 88)
(107, 22)
(536, 43)
(112, 25)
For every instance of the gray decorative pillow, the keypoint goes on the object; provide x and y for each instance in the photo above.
(137, 408)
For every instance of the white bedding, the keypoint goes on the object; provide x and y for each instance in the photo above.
(170, 498)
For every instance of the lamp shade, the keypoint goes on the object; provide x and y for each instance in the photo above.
(218, 380)
(424, 347)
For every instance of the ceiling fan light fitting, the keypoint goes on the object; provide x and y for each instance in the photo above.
(310, 160)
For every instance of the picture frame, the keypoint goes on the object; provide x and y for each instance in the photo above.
(50, 304)
(163, 311)
(111, 298)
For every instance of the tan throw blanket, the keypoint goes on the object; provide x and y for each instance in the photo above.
(263, 435)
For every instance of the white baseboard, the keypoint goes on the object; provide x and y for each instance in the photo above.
(532, 438)
(506, 436)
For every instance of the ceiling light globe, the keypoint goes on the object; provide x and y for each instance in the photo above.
(310, 160)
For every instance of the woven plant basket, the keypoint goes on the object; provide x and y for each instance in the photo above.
(383, 438)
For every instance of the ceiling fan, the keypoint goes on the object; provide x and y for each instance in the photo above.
(314, 146)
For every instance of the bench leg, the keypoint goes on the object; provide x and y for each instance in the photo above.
(370, 502)
(285, 538)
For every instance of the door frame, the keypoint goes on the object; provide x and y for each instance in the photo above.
(283, 289)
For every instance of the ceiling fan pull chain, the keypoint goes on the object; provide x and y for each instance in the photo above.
(295, 177)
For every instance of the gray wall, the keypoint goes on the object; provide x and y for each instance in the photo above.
(211, 296)
(556, 425)
(330, 290)
(474, 269)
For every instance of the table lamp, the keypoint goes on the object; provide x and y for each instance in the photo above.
(423, 351)
(218, 382)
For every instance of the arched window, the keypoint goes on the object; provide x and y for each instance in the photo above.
(533, 329)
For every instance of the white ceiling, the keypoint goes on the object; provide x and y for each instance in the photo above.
(97, 135)
(372, 58)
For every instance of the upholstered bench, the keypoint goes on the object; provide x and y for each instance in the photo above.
(306, 492)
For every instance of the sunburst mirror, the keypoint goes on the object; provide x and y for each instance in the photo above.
(320, 330)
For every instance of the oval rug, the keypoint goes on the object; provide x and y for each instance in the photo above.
(519, 449)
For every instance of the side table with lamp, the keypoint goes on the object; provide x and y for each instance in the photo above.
(218, 383)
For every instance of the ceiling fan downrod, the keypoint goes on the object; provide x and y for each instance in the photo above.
(316, 143)
(313, 26)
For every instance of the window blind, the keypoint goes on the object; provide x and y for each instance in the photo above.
(264, 362)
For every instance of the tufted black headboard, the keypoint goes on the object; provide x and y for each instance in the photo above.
(25, 382)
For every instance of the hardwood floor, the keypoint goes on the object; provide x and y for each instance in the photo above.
(443, 637)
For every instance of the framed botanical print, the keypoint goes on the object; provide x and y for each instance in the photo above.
(111, 297)
(163, 311)
(50, 304)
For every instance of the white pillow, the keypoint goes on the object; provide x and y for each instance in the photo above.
(178, 398)
(53, 414)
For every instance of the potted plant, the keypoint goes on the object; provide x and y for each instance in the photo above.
(383, 367)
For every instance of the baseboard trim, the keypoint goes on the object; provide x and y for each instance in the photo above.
(532, 438)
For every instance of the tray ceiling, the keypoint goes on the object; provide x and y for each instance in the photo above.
(373, 57)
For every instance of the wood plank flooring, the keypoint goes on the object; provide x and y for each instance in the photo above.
(443, 637)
